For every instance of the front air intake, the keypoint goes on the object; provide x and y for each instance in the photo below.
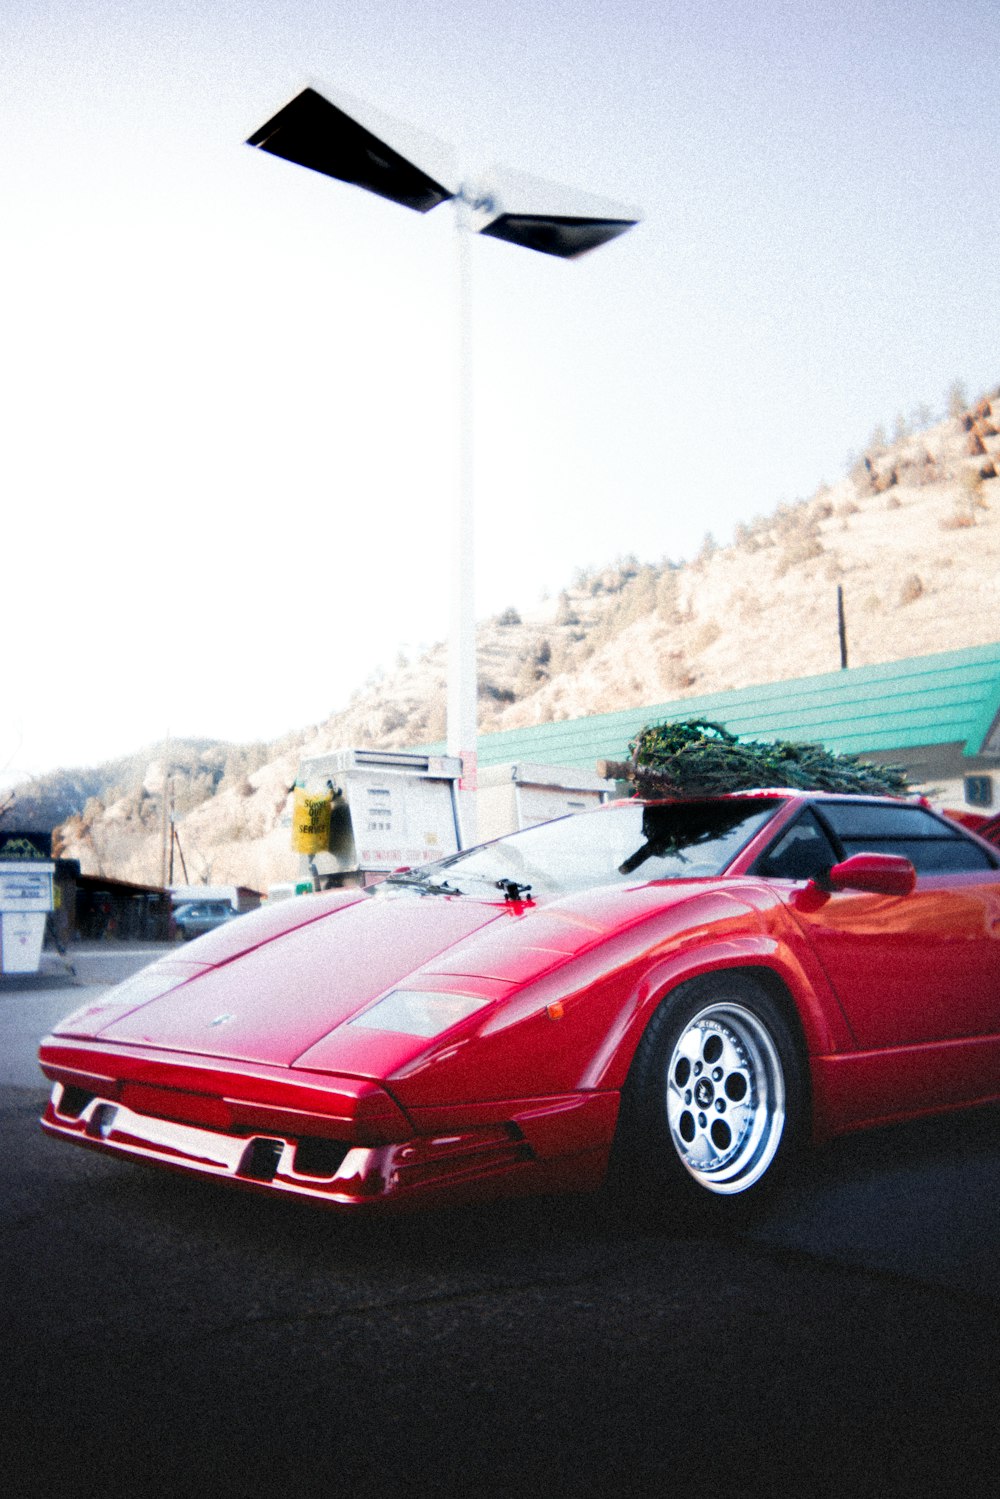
(319, 1158)
(73, 1101)
(261, 1160)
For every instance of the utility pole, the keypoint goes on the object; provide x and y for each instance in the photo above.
(842, 627)
(165, 814)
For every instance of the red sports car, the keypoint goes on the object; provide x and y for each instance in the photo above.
(694, 988)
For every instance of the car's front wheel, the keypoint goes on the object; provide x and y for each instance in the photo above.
(713, 1104)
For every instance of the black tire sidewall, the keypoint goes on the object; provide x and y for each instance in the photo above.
(646, 1146)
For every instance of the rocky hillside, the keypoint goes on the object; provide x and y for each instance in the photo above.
(911, 534)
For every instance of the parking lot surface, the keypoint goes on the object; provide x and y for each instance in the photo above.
(166, 1337)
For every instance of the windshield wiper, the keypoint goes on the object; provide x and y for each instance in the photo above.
(421, 882)
(512, 889)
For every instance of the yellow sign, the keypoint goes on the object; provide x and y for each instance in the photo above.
(310, 822)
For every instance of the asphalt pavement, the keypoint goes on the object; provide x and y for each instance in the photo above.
(163, 1336)
(31, 1003)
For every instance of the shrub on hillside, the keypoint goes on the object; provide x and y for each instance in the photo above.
(911, 589)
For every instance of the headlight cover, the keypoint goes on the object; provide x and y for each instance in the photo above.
(419, 1012)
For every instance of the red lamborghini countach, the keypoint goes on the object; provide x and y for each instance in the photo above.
(692, 988)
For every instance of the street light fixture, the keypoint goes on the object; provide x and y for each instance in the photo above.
(353, 145)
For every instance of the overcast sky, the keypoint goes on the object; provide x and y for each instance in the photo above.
(229, 428)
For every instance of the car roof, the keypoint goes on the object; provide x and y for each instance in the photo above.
(785, 793)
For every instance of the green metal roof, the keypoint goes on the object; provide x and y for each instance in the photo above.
(948, 698)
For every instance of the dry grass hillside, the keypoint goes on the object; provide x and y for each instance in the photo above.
(911, 534)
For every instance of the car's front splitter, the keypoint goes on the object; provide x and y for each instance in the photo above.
(445, 1167)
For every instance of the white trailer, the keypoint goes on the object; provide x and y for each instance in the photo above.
(239, 896)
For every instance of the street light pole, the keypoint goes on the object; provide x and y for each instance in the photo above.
(361, 146)
(462, 681)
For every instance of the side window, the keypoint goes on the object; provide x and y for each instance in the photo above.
(802, 852)
(932, 845)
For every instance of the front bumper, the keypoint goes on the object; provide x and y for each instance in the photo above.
(340, 1141)
(326, 1170)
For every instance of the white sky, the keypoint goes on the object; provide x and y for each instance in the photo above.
(226, 390)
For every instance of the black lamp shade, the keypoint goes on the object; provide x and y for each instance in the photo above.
(556, 235)
(314, 133)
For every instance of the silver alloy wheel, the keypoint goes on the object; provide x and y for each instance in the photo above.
(725, 1098)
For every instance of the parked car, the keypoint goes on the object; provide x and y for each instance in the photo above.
(685, 991)
(196, 917)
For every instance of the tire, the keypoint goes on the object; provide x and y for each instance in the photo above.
(712, 1109)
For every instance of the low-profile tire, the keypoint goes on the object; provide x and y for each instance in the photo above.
(712, 1110)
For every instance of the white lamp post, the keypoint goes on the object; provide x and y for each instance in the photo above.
(363, 147)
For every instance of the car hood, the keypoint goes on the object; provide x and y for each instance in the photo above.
(283, 994)
(273, 1002)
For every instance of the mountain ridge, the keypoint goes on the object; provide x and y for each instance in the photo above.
(911, 535)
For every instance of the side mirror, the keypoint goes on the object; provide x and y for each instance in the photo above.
(879, 874)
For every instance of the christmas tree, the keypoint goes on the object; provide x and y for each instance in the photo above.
(703, 759)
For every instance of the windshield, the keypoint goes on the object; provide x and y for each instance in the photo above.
(632, 843)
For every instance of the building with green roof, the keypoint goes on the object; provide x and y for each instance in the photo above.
(937, 716)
